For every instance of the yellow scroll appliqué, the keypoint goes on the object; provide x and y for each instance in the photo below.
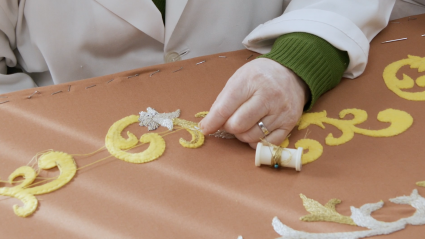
(396, 85)
(400, 122)
(326, 213)
(116, 144)
(315, 149)
(25, 193)
(197, 137)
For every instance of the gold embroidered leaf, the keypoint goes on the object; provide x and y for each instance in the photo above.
(326, 213)
(421, 184)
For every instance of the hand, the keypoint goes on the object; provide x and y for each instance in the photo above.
(261, 90)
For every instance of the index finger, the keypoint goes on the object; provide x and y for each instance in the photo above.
(227, 102)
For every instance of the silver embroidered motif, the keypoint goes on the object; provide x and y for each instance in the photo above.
(362, 217)
(152, 119)
(223, 134)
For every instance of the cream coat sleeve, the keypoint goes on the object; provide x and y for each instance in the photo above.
(9, 11)
(348, 25)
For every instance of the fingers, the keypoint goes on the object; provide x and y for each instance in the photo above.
(261, 90)
(254, 133)
(247, 115)
(276, 138)
(278, 128)
(227, 102)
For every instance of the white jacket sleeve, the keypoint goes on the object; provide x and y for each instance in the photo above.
(8, 19)
(348, 25)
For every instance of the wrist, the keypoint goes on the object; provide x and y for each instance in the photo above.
(319, 64)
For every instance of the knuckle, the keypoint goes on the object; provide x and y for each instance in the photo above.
(247, 138)
(234, 127)
(223, 111)
(276, 93)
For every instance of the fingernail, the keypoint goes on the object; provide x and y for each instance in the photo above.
(200, 127)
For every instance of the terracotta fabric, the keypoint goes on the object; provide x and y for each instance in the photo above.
(214, 191)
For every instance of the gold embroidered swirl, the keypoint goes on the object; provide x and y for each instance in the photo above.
(400, 122)
(396, 85)
(25, 193)
(116, 144)
(315, 149)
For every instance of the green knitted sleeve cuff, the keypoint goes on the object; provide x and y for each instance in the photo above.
(313, 59)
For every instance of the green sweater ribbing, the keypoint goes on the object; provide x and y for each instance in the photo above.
(313, 59)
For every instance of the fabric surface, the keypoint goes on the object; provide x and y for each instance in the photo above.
(214, 191)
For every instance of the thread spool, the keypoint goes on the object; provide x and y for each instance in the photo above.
(290, 158)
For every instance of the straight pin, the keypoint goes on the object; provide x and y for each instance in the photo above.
(128, 77)
(423, 35)
(250, 56)
(4, 102)
(54, 93)
(181, 54)
(110, 81)
(222, 56)
(154, 73)
(178, 69)
(35, 92)
(184, 53)
(90, 86)
(401, 39)
(201, 62)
